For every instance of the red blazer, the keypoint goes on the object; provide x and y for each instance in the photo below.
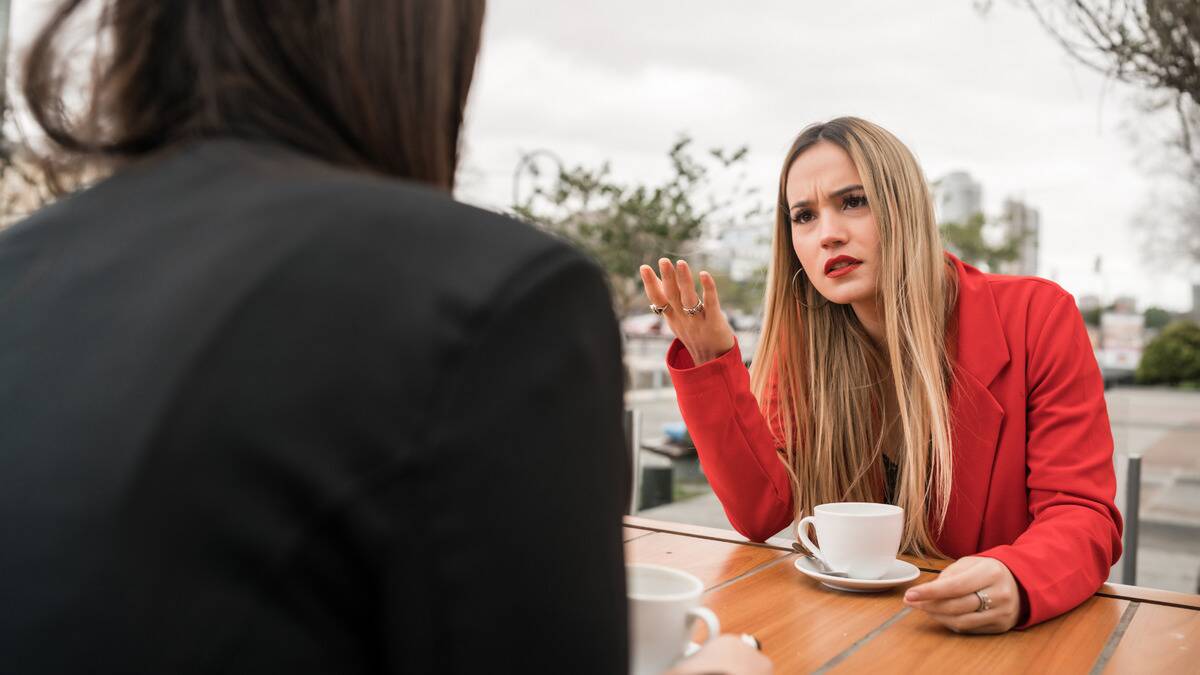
(1033, 478)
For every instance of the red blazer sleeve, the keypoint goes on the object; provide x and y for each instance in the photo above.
(1075, 536)
(736, 447)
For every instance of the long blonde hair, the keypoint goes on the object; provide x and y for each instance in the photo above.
(827, 376)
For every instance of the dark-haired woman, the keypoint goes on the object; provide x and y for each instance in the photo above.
(265, 395)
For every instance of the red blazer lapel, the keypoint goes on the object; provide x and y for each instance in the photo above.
(981, 353)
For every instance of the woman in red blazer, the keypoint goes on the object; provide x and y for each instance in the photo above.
(889, 370)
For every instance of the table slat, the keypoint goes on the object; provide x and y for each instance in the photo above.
(628, 533)
(714, 562)
(1146, 594)
(780, 543)
(801, 623)
(1158, 640)
(1068, 644)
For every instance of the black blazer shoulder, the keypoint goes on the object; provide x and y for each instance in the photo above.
(259, 414)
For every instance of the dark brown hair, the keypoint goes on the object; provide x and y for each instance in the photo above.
(377, 85)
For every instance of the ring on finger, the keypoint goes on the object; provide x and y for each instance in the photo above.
(985, 601)
(693, 311)
(659, 309)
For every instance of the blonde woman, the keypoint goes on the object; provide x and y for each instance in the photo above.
(889, 370)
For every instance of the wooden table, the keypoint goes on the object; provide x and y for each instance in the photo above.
(806, 627)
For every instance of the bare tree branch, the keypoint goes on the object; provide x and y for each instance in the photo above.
(1154, 45)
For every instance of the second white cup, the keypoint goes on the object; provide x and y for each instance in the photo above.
(859, 538)
(664, 603)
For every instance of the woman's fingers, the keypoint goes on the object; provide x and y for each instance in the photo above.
(963, 577)
(654, 287)
(677, 288)
(968, 623)
(670, 285)
(709, 285)
(961, 605)
(687, 286)
(953, 598)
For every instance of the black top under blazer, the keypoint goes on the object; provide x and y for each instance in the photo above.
(263, 415)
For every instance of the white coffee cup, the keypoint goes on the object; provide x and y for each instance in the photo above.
(663, 605)
(859, 538)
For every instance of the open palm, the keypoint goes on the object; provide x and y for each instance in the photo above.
(697, 321)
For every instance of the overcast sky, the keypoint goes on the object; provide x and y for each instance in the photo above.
(994, 95)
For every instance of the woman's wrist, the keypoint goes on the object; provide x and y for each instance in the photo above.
(681, 357)
(703, 356)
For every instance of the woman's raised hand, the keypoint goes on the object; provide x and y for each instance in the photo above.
(697, 322)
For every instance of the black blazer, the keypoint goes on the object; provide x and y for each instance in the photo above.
(262, 415)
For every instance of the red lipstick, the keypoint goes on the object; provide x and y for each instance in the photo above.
(844, 265)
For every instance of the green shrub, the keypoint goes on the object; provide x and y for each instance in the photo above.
(1173, 357)
(1156, 318)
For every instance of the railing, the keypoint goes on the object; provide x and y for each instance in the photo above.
(1132, 506)
(633, 436)
(1133, 502)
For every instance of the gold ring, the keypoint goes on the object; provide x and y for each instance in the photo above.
(985, 602)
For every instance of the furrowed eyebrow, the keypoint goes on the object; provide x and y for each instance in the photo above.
(837, 193)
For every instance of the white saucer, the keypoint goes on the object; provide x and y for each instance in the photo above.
(900, 572)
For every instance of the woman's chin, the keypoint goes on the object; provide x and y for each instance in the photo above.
(845, 297)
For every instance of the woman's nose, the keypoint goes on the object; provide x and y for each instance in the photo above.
(832, 233)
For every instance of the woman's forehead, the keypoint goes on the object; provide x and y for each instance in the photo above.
(819, 171)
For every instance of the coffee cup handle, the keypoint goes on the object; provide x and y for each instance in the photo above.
(710, 620)
(802, 533)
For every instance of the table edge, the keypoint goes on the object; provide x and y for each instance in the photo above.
(1108, 590)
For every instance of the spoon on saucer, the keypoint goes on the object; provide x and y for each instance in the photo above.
(817, 562)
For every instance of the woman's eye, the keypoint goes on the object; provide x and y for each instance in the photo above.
(854, 202)
(802, 217)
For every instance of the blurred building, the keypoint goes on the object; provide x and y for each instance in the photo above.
(957, 197)
(1021, 221)
(1125, 304)
(741, 252)
(1122, 336)
(1089, 302)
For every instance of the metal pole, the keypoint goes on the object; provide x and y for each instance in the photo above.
(633, 441)
(1133, 497)
(5, 11)
(527, 160)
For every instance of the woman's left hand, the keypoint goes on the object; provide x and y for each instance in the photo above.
(951, 600)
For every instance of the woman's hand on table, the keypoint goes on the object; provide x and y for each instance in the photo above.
(951, 599)
(706, 332)
(726, 654)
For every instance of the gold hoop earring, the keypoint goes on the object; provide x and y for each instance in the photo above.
(797, 292)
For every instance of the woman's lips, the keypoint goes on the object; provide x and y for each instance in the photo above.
(843, 271)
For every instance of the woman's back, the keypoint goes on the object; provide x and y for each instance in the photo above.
(264, 415)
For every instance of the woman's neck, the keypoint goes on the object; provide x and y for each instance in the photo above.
(867, 312)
